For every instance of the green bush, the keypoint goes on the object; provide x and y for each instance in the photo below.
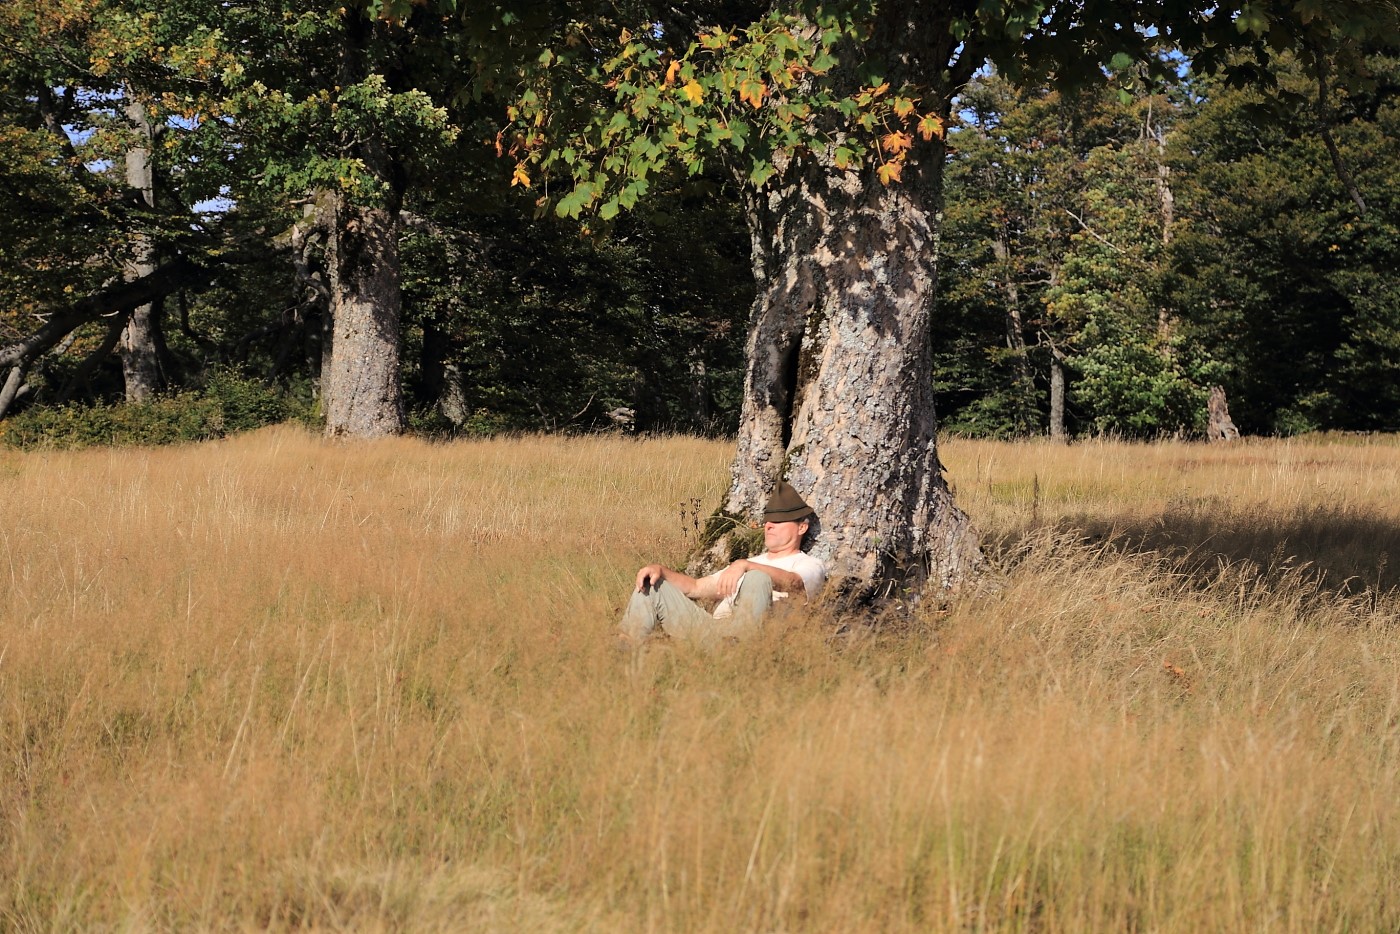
(226, 404)
(1001, 415)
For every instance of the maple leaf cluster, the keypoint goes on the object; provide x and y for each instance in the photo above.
(758, 98)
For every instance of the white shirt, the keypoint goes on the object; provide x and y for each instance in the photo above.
(812, 572)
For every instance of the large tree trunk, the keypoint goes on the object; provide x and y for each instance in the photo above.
(141, 342)
(1221, 427)
(838, 395)
(1015, 331)
(360, 387)
(1057, 400)
(140, 350)
(442, 381)
(701, 412)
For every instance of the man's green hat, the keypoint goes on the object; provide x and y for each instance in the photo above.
(786, 506)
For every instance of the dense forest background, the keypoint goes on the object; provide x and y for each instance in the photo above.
(1105, 260)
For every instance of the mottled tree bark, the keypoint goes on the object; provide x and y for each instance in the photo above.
(1057, 400)
(838, 396)
(140, 346)
(360, 384)
(360, 387)
(1221, 427)
(11, 387)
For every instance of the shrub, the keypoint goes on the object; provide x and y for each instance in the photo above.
(226, 404)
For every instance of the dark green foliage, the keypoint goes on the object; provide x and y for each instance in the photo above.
(1289, 286)
(551, 327)
(225, 405)
(1273, 283)
(1268, 281)
(1055, 236)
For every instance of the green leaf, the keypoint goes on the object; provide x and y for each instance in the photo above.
(762, 171)
(629, 195)
(1253, 20)
(572, 204)
(740, 132)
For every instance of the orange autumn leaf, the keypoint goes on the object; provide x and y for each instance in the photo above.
(897, 142)
(520, 177)
(674, 67)
(930, 126)
(752, 91)
(890, 172)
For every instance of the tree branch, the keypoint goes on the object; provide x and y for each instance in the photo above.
(1091, 232)
(1325, 119)
(90, 363)
(51, 113)
(118, 299)
(12, 387)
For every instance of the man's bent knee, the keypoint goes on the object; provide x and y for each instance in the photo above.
(756, 587)
(640, 617)
(663, 606)
(752, 600)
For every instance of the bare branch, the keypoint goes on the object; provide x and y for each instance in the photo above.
(12, 387)
(1091, 232)
(1325, 119)
(90, 363)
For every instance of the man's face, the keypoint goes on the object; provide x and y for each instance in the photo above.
(784, 537)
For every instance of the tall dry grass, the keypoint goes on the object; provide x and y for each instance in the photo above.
(277, 682)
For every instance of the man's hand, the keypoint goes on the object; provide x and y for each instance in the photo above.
(728, 582)
(650, 576)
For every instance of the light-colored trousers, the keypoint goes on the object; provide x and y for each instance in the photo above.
(681, 618)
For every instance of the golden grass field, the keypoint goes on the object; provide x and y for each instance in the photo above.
(277, 682)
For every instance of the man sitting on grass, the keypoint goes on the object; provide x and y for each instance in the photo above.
(745, 590)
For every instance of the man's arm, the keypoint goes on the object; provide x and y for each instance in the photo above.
(788, 582)
(695, 588)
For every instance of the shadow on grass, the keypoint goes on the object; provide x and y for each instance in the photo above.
(1338, 550)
